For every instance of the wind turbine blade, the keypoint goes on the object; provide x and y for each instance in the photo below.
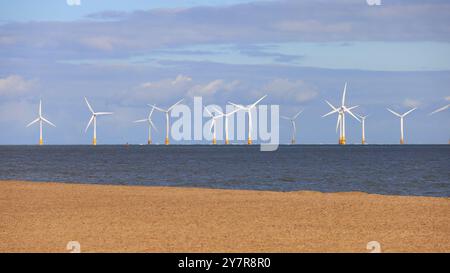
(284, 117)
(151, 112)
(104, 113)
(159, 109)
(361, 116)
(298, 114)
(258, 101)
(331, 105)
(350, 112)
(89, 123)
(440, 109)
(238, 106)
(40, 108)
(89, 106)
(407, 113)
(218, 111)
(351, 108)
(398, 115)
(332, 112)
(48, 122)
(232, 112)
(343, 94)
(140, 120)
(171, 107)
(209, 113)
(338, 122)
(33, 122)
(212, 124)
(153, 125)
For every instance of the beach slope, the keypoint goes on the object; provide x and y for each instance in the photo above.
(44, 217)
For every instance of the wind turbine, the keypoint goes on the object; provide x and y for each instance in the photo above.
(94, 119)
(150, 125)
(363, 122)
(166, 111)
(213, 123)
(402, 140)
(294, 128)
(341, 116)
(440, 109)
(248, 109)
(40, 119)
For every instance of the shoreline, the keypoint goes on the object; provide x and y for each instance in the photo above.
(45, 216)
(218, 189)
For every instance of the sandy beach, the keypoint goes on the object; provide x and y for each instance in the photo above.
(44, 217)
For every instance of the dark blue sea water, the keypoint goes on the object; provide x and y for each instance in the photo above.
(399, 170)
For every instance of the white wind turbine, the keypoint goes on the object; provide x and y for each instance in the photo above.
(167, 111)
(294, 128)
(150, 124)
(363, 128)
(94, 119)
(248, 109)
(341, 116)
(40, 119)
(213, 122)
(402, 140)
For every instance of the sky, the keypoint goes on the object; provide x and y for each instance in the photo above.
(124, 55)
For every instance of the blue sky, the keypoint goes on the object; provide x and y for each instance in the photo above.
(125, 54)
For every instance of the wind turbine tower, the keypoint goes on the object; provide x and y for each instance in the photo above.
(363, 129)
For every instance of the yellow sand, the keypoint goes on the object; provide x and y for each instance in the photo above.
(43, 217)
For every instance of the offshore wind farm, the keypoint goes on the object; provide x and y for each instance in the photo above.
(240, 126)
(217, 115)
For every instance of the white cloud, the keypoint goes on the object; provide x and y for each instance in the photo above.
(211, 88)
(285, 90)
(180, 80)
(411, 103)
(208, 89)
(15, 85)
(166, 90)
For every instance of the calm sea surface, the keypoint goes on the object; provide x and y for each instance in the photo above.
(399, 170)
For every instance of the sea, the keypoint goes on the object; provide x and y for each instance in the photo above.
(420, 170)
